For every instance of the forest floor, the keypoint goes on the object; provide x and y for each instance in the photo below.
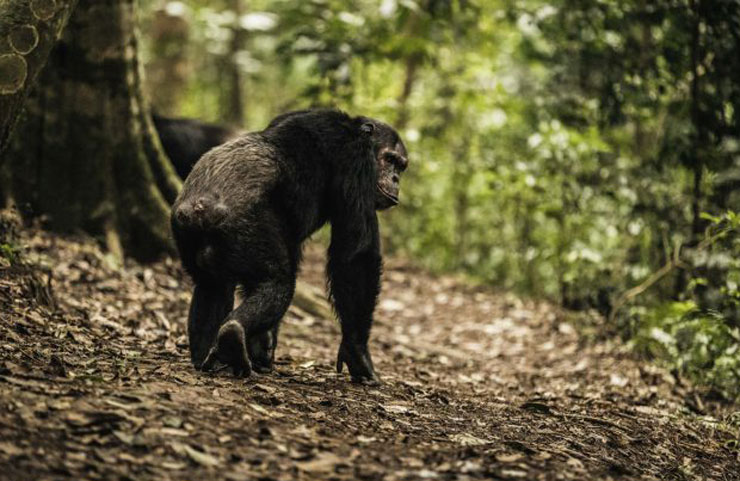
(95, 383)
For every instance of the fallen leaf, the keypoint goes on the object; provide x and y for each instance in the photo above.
(204, 459)
(10, 449)
(125, 438)
(263, 388)
(513, 473)
(172, 422)
(468, 439)
(259, 409)
(508, 458)
(395, 408)
(323, 463)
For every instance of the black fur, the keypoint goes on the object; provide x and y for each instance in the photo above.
(246, 208)
(186, 140)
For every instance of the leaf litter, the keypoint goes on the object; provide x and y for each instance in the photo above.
(95, 383)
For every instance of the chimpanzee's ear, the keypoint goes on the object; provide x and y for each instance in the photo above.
(367, 128)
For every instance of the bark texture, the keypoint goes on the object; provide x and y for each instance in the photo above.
(28, 31)
(87, 156)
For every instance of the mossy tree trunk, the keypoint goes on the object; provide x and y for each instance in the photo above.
(86, 156)
(28, 31)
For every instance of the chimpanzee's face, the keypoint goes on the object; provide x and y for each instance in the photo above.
(391, 158)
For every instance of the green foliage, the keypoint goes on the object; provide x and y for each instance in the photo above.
(699, 344)
(9, 252)
(701, 337)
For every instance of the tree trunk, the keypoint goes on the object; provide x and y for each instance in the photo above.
(28, 31)
(233, 98)
(411, 69)
(87, 157)
(698, 141)
(460, 183)
(168, 69)
(412, 63)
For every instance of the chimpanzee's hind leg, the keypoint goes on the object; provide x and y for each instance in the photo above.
(256, 316)
(269, 267)
(260, 346)
(209, 307)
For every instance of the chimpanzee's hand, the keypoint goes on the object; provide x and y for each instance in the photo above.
(231, 349)
(358, 360)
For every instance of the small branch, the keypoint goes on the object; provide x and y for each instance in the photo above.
(675, 262)
(645, 285)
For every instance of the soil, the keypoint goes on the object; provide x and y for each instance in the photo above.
(95, 383)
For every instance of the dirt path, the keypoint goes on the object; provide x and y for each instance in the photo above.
(477, 385)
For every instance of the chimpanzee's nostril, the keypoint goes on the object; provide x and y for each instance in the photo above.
(395, 178)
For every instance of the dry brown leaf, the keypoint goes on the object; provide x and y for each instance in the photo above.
(324, 462)
(468, 439)
(200, 457)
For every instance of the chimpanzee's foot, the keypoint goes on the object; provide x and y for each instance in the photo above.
(261, 349)
(200, 348)
(358, 361)
(198, 354)
(201, 337)
(231, 349)
(209, 306)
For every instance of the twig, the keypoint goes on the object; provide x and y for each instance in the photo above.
(662, 272)
(645, 285)
(595, 420)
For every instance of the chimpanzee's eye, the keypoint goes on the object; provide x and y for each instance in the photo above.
(398, 161)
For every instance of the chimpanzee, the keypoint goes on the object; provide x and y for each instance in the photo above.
(186, 140)
(246, 208)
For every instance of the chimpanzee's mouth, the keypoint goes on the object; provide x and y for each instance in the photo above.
(390, 197)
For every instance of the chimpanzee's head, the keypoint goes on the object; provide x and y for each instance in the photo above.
(391, 158)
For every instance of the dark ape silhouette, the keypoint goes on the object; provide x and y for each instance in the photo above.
(246, 208)
(186, 140)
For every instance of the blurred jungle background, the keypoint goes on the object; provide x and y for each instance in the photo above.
(562, 282)
(581, 150)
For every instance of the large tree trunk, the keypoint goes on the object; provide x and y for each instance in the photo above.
(28, 31)
(168, 69)
(87, 157)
